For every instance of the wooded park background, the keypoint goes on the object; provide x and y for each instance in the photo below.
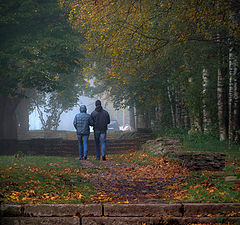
(175, 64)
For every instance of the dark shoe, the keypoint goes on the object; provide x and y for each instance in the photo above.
(80, 158)
(104, 158)
(85, 157)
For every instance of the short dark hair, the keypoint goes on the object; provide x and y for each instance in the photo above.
(98, 102)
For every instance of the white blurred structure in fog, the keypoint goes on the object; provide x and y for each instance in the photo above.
(34, 121)
(66, 117)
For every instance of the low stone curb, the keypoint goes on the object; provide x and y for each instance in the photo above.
(145, 210)
(156, 220)
(40, 220)
(119, 214)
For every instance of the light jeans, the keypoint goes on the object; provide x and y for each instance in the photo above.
(100, 139)
(83, 145)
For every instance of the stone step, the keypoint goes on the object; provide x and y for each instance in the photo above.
(60, 147)
(232, 179)
(119, 214)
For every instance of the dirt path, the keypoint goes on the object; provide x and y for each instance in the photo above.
(123, 182)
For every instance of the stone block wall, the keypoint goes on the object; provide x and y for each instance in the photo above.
(193, 160)
(61, 147)
(120, 214)
(211, 161)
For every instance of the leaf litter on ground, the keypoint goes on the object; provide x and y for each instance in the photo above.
(43, 180)
(130, 177)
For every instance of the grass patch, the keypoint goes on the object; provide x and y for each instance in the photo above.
(171, 132)
(43, 179)
(205, 186)
(202, 142)
(209, 187)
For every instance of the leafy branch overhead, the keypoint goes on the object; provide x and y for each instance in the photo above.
(38, 47)
(176, 54)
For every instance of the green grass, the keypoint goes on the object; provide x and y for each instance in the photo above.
(209, 187)
(49, 179)
(171, 132)
(202, 142)
(43, 179)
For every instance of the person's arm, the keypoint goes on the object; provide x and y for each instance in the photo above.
(93, 119)
(75, 122)
(108, 118)
(90, 121)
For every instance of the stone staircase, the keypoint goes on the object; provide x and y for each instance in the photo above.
(141, 135)
(62, 147)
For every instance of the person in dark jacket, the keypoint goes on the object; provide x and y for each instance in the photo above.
(81, 122)
(101, 119)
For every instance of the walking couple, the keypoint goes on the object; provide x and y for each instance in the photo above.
(99, 119)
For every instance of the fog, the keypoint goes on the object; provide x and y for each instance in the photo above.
(67, 117)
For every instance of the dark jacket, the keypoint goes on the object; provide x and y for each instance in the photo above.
(101, 119)
(81, 122)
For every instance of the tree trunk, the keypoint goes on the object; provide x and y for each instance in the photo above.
(23, 118)
(233, 98)
(181, 114)
(221, 106)
(132, 118)
(177, 109)
(55, 127)
(140, 119)
(136, 119)
(41, 117)
(170, 98)
(158, 114)
(195, 124)
(8, 121)
(206, 116)
(147, 120)
(185, 117)
(236, 111)
(221, 98)
(233, 103)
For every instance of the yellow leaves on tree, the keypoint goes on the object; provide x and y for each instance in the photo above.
(127, 30)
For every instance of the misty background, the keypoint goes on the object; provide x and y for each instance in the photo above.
(66, 119)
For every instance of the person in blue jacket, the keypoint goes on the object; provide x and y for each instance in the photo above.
(81, 122)
(101, 120)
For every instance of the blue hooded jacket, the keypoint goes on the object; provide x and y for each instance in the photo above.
(82, 121)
